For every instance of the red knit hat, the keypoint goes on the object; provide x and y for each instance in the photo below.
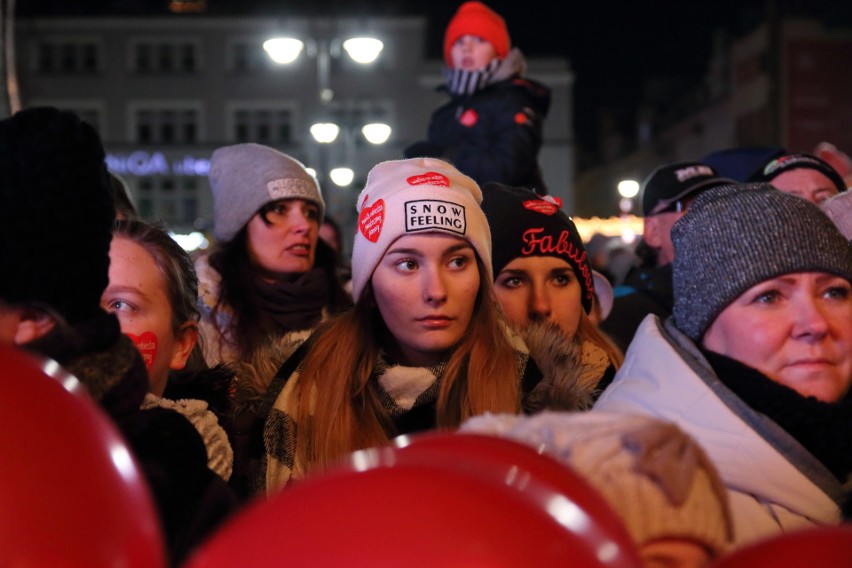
(475, 18)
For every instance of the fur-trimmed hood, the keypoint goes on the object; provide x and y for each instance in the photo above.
(571, 370)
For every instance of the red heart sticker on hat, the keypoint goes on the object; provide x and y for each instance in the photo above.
(429, 178)
(541, 206)
(146, 344)
(371, 219)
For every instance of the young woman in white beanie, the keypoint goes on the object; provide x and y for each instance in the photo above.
(268, 282)
(756, 361)
(424, 346)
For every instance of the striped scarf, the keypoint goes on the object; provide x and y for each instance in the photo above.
(463, 83)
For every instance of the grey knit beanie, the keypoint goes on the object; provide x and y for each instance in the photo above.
(245, 177)
(736, 236)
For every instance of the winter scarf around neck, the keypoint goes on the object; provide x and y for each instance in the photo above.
(292, 301)
(823, 428)
(461, 83)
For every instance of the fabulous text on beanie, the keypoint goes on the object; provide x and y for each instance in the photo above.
(733, 237)
(525, 224)
(245, 177)
(56, 212)
(417, 195)
(475, 18)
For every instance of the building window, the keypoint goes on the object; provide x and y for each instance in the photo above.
(190, 210)
(166, 126)
(67, 57)
(165, 57)
(247, 56)
(263, 126)
(146, 208)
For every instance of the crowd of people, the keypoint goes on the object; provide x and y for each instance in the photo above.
(705, 394)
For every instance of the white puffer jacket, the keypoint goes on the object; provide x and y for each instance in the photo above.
(775, 484)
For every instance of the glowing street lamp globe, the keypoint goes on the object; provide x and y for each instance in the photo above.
(342, 176)
(325, 132)
(628, 188)
(376, 132)
(283, 49)
(363, 49)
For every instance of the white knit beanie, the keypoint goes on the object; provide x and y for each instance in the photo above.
(418, 195)
(245, 177)
(654, 476)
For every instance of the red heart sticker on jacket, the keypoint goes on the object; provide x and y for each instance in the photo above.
(469, 117)
(371, 219)
(146, 344)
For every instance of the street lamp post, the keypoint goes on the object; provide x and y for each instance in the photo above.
(362, 50)
(336, 134)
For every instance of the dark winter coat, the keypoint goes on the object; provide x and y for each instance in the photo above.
(495, 134)
(191, 500)
(647, 289)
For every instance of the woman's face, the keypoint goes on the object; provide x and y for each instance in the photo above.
(471, 52)
(425, 288)
(282, 236)
(796, 329)
(540, 288)
(137, 295)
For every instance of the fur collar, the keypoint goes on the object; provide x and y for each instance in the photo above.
(570, 370)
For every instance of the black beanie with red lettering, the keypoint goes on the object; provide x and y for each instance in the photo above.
(525, 224)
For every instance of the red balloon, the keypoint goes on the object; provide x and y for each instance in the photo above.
(825, 547)
(375, 513)
(71, 494)
(593, 521)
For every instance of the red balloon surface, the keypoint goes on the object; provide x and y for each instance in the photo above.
(593, 521)
(393, 506)
(70, 492)
(825, 547)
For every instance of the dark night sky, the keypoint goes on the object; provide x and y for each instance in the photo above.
(614, 46)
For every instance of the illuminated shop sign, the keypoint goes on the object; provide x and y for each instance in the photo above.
(156, 164)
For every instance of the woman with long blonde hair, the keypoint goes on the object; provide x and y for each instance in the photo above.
(425, 345)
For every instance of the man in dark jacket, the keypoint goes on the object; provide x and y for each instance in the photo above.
(56, 216)
(647, 288)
